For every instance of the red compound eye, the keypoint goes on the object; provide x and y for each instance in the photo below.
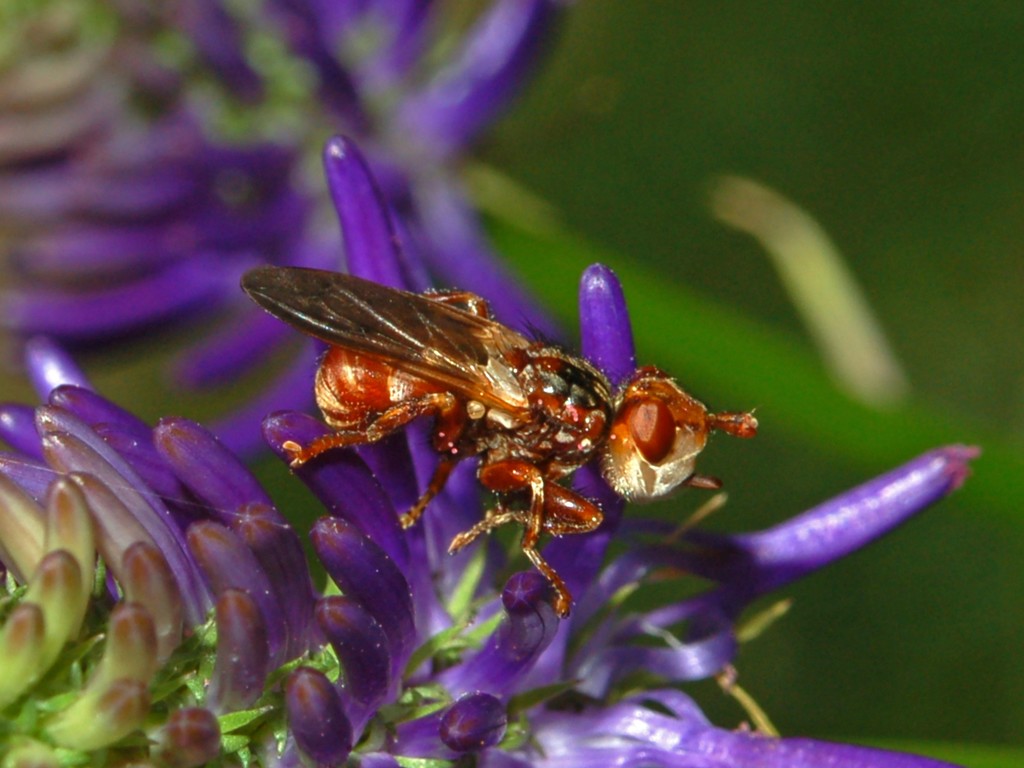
(652, 428)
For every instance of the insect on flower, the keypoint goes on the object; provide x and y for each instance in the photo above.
(531, 411)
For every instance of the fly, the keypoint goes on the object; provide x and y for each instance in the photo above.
(531, 411)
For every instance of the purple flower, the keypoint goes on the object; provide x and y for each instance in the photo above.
(159, 605)
(129, 211)
(423, 655)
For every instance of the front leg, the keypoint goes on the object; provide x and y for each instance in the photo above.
(553, 509)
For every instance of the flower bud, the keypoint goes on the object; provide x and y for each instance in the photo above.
(21, 648)
(474, 722)
(243, 654)
(315, 717)
(100, 717)
(190, 738)
(147, 580)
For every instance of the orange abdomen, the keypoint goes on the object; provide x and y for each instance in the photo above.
(352, 389)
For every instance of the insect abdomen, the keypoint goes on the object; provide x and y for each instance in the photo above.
(352, 389)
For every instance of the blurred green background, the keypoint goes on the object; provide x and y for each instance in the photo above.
(899, 127)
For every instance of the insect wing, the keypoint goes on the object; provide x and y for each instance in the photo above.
(435, 341)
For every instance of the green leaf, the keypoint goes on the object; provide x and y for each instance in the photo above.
(235, 720)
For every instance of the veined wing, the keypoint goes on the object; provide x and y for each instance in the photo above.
(435, 341)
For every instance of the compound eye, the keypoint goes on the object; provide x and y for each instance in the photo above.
(652, 428)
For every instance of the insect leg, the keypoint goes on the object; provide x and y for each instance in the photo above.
(565, 512)
(495, 519)
(393, 418)
(512, 475)
(444, 469)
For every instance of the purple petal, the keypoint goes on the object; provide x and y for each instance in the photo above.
(18, 429)
(220, 358)
(709, 646)
(207, 468)
(511, 652)
(631, 733)
(32, 477)
(474, 722)
(49, 367)
(243, 653)
(377, 760)
(279, 552)
(372, 249)
(361, 646)
(228, 563)
(366, 574)
(605, 330)
(392, 464)
(740, 748)
(316, 718)
(756, 563)
(125, 433)
(88, 251)
(72, 446)
(459, 252)
(58, 193)
(101, 313)
(493, 63)
(408, 21)
(344, 485)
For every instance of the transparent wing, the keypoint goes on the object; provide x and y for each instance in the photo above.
(438, 342)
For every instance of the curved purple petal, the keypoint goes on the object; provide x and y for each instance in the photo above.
(218, 39)
(279, 552)
(605, 330)
(86, 250)
(366, 574)
(755, 563)
(316, 718)
(495, 58)
(302, 21)
(81, 316)
(252, 337)
(228, 563)
(372, 249)
(458, 251)
(408, 22)
(49, 366)
(633, 734)
(18, 429)
(361, 646)
(71, 445)
(31, 476)
(124, 432)
(205, 466)
(243, 653)
(344, 485)
(475, 722)
(510, 653)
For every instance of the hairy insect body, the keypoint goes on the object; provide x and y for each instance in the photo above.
(532, 412)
